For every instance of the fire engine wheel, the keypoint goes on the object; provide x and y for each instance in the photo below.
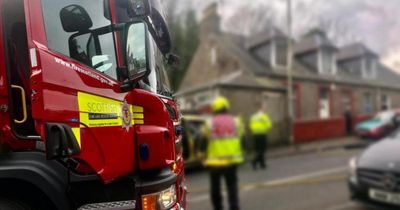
(13, 204)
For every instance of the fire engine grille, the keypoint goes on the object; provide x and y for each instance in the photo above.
(117, 205)
(379, 179)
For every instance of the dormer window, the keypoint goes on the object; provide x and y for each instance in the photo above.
(317, 52)
(369, 68)
(279, 53)
(358, 60)
(327, 62)
(269, 47)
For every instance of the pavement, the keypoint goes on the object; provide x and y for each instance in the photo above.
(306, 177)
(317, 146)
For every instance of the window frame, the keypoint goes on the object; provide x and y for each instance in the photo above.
(369, 71)
(347, 92)
(275, 52)
(330, 101)
(321, 61)
(366, 106)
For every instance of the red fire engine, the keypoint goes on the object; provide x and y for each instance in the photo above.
(86, 117)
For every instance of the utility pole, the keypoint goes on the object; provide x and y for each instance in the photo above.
(289, 72)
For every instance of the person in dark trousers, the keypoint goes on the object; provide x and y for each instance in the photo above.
(260, 125)
(349, 120)
(222, 137)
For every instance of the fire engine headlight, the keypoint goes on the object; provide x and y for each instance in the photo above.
(167, 198)
(353, 170)
(161, 200)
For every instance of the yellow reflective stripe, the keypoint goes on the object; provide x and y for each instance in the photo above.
(137, 109)
(217, 163)
(224, 161)
(77, 134)
(138, 116)
(139, 122)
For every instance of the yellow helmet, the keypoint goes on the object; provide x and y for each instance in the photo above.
(220, 103)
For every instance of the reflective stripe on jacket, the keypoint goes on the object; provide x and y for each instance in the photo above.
(260, 123)
(224, 146)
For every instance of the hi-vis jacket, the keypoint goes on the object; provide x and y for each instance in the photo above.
(224, 146)
(260, 123)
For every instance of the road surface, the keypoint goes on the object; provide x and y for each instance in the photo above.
(315, 181)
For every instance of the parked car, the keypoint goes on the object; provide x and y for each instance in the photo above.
(192, 137)
(379, 126)
(375, 175)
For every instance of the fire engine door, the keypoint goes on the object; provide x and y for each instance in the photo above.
(75, 84)
(18, 69)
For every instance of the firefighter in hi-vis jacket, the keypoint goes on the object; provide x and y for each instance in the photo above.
(260, 125)
(222, 138)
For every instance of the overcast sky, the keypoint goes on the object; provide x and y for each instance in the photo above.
(375, 22)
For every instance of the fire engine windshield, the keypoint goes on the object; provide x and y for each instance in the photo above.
(157, 81)
(95, 47)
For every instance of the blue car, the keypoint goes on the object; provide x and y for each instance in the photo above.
(379, 126)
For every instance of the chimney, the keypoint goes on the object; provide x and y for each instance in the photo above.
(210, 22)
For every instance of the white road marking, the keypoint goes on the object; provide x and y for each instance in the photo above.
(287, 180)
(199, 198)
(306, 176)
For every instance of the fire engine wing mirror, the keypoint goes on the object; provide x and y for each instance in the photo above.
(75, 18)
(173, 60)
(140, 8)
(137, 51)
(128, 9)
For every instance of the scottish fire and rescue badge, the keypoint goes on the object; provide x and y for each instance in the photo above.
(126, 116)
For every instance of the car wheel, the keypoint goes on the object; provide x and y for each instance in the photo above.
(13, 204)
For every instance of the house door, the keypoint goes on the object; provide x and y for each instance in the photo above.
(277, 110)
(324, 104)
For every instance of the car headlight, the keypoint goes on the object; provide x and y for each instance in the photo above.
(159, 201)
(353, 170)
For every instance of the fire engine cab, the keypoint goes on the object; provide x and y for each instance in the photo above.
(86, 117)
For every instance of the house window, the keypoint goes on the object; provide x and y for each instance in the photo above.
(327, 62)
(367, 103)
(281, 53)
(324, 103)
(347, 101)
(385, 102)
(369, 68)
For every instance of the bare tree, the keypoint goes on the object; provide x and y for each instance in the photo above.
(249, 20)
(338, 31)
